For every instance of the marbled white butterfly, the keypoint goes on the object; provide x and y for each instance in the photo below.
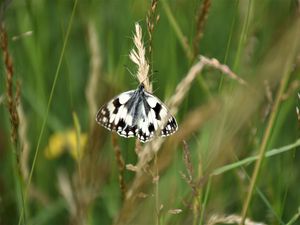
(137, 113)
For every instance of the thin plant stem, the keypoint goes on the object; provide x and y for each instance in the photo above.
(156, 179)
(48, 105)
(232, 26)
(182, 39)
(251, 159)
(267, 134)
(12, 98)
(294, 218)
(243, 35)
(78, 146)
(201, 221)
(19, 183)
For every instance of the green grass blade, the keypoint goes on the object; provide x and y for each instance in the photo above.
(48, 106)
(252, 159)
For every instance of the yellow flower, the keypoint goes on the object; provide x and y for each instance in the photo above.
(68, 140)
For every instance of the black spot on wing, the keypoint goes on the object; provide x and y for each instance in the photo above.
(143, 137)
(157, 109)
(103, 117)
(170, 128)
(117, 104)
(121, 124)
(151, 128)
(128, 131)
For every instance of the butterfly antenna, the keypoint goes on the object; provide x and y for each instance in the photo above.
(155, 90)
(130, 72)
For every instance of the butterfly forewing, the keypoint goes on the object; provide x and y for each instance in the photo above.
(137, 113)
(113, 114)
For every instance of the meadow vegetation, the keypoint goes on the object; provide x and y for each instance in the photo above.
(228, 70)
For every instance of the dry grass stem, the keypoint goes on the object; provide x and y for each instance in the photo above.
(95, 73)
(189, 167)
(25, 145)
(151, 19)
(187, 160)
(270, 100)
(174, 211)
(223, 68)
(298, 110)
(231, 219)
(192, 182)
(293, 87)
(65, 189)
(121, 164)
(138, 56)
(184, 86)
(201, 19)
(131, 167)
(25, 34)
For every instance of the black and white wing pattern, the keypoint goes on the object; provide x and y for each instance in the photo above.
(114, 115)
(160, 116)
(137, 113)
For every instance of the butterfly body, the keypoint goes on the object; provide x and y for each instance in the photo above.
(137, 113)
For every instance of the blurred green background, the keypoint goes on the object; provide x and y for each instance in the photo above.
(256, 39)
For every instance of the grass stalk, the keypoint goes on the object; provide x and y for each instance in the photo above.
(78, 146)
(12, 99)
(232, 26)
(294, 218)
(252, 159)
(48, 105)
(156, 180)
(201, 19)
(243, 35)
(121, 165)
(207, 191)
(267, 134)
(182, 39)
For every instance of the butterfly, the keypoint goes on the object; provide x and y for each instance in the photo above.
(137, 113)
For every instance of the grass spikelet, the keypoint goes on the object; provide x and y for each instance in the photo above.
(11, 97)
(189, 178)
(231, 219)
(151, 19)
(201, 18)
(188, 164)
(138, 56)
(121, 164)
